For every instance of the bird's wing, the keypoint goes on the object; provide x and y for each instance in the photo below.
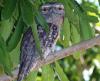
(28, 54)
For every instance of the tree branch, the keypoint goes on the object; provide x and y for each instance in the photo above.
(58, 55)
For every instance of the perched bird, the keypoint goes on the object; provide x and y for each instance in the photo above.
(53, 13)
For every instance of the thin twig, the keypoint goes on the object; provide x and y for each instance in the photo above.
(58, 55)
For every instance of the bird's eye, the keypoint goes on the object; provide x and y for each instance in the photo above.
(45, 9)
(60, 8)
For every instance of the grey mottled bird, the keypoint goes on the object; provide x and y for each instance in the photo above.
(53, 13)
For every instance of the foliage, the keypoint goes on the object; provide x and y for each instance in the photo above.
(79, 25)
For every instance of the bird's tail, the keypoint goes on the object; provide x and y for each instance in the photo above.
(20, 76)
(22, 73)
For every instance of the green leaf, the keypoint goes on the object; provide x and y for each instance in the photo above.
(15, 37)
(92, 19)
(77, 55)
(5, 57)
(75, 35)
(1, 69)
(75, 38)
(27, 12)
(65, 33)
(60, 72)
(47, 73)
(40, 20)
(15, 55)
(36, 37)
(16, 13)
(85, 28)
(9, 7)
(6, 28)
(99, 2)
(32, 76)
(69, 13)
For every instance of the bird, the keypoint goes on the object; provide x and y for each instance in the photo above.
(53, 13)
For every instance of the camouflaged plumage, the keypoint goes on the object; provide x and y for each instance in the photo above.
(54, 15)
